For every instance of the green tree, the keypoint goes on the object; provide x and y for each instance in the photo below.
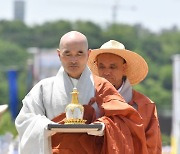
(16, 32)
(92, 31)
(48, 34)
(12, 56)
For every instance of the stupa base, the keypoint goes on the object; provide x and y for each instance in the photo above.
(75, 121)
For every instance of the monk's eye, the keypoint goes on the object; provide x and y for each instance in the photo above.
(66, 53)
(80, 53)
(113, 67)
(101, 67)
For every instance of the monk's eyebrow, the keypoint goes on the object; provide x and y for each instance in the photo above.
(66, 52)
(100, 63)
(112, 65)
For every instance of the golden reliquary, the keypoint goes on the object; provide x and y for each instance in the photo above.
(74, 110)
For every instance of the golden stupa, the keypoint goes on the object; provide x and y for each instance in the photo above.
(74, 110)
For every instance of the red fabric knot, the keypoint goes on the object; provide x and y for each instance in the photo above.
(92, 101)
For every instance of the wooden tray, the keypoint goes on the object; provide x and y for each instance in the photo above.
(74, 128)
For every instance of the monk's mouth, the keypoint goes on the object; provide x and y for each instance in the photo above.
(73, 66)
(108, 78)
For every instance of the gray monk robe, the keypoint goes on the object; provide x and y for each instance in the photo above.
(48, 99)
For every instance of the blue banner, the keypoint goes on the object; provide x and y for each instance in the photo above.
(13, 93)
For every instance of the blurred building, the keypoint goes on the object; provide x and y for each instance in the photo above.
(19, 10)
(44, 63)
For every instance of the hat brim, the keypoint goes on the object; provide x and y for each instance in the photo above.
(137, 67)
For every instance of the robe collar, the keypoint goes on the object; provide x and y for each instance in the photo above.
(85, 85)
(126, 91)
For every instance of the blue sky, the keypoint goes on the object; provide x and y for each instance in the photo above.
(152, 14)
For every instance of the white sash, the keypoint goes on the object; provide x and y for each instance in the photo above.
(63, 87)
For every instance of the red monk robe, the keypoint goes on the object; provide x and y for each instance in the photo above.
(123, 134)
(147, 110)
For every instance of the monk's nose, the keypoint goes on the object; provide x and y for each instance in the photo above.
(73, 59)
(107, 72)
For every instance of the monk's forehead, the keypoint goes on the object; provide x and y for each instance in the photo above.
(73, 38)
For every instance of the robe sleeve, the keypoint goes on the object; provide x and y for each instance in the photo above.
(153, 134)
(31, 124)
(148, 112)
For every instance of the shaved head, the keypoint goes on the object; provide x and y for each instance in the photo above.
(73, 36)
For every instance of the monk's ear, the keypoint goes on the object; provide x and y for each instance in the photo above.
(58, 52)
(89, 52)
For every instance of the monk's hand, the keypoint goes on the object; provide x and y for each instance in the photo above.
(98, 132)
(49, 133)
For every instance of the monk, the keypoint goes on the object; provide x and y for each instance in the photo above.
(122, 131)
(124, 68)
